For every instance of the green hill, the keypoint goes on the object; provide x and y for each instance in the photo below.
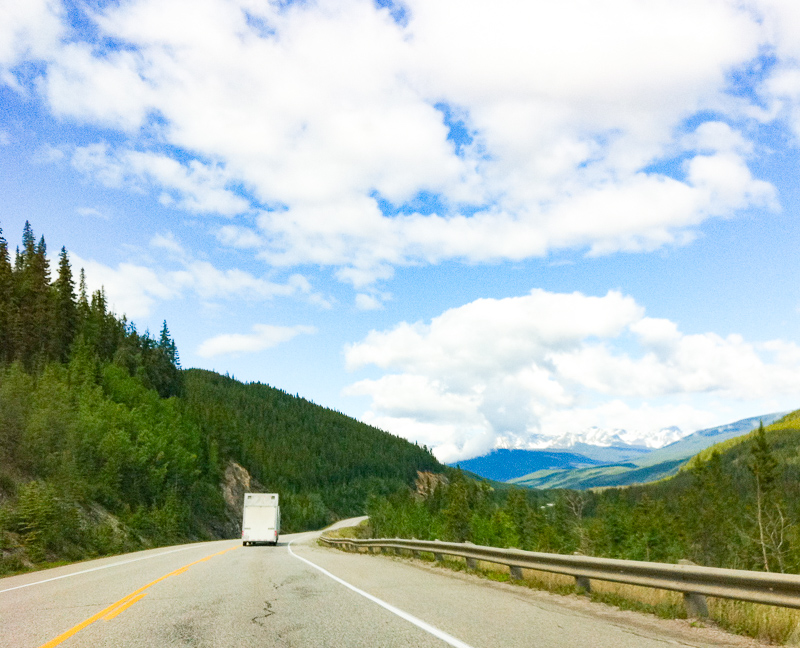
(106, 445)
(599, 476)
(311, 454)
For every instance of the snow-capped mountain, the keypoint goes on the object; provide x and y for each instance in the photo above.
(608, 438)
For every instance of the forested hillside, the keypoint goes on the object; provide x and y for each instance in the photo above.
(320, 460)
(737, 505)
(106, 445)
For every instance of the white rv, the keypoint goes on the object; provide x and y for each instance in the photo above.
(261, 521)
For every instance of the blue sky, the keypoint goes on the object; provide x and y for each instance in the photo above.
(473, 224)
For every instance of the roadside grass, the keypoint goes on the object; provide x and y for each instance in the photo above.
(13, 566)
(361, 530)
(767, 623)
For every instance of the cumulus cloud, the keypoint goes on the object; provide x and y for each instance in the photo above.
(263, 337)
(781, 86)
(332, 120)
(195, 187)
(504, 372)
(368, 302)
(30, 29)
(133, 288)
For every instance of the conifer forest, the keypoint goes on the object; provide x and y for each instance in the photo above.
(107, 445)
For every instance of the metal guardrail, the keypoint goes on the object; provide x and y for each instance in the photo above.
(694, 581)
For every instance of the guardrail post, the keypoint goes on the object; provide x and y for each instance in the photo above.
(415, 553)
(584, 583)
(472, 563)
(515, 572)
(695, 603)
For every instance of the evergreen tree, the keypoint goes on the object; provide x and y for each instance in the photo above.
(457, 514)
(771, 523)
(66, 311)
(83, 300)
(28, 241)
(160, 370)
(6, 302)
(33, 338)
(711, 517)
(168, 346)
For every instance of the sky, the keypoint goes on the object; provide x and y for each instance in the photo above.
(473, 224)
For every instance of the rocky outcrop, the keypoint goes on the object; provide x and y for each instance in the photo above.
(427, 483)
(236, 483)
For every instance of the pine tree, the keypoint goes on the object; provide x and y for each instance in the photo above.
(6, 302)
(66, 312)
(160, 364)
(28, 241)
(457, 514)
(167, 344)
(83, 300)
(33, 335)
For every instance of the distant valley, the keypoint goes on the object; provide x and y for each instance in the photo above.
(595, 460)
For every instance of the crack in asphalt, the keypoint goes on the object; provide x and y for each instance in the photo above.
(261, 618)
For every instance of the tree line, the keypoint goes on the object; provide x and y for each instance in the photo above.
(44, 321)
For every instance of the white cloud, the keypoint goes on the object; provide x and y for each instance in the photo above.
(134, 289)
(323, 110)
(501, 372)
(781, 88)
(368, 302)
(169, 243)
(195, 187)
(239, 237)
(715, 137)
(91, 212)
(30, 29)
(263, 337)
(131, 289)
(112, 91)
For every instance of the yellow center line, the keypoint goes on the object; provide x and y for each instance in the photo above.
(124, 607)
(125, 602)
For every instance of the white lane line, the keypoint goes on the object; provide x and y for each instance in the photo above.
(86, 571)
(427, 627)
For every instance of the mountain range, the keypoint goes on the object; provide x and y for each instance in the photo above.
(608, 437)
(604, 457)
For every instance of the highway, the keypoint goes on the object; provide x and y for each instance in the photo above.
(220, 594)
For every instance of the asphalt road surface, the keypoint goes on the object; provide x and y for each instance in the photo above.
(221, 594)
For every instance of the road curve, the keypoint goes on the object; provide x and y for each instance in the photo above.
(295, 595)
